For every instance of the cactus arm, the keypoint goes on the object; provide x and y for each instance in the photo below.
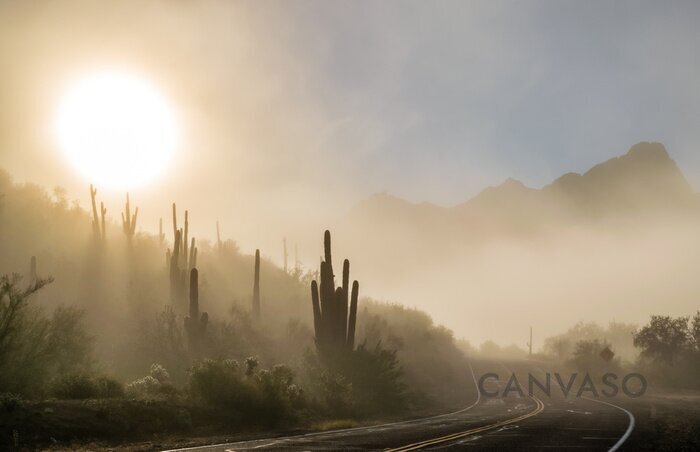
(352, 320)
(95, 220)
(133, 221)
(103, 213)
(256, 287)
(174, 220)
(327, 250)
(343, 301)
(318, 320)
(194, 294)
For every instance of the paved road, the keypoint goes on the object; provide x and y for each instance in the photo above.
(502, 423)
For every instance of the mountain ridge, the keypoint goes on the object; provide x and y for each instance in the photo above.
(646, 177)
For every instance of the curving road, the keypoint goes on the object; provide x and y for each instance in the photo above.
(512, 423)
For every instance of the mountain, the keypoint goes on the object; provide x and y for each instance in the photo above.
(644, 180)
(640, 188)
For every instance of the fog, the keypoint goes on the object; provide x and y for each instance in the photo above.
(285, 131)
(255, 219)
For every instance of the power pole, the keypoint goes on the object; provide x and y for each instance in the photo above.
(529, 344)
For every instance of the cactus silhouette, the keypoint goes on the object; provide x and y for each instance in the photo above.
(256, 287)
(129, 221)
(98, 223)
(334, 309)
(161, 234)
(195, 324)
(179, 261)
(284, 252)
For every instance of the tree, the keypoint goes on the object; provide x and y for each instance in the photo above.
(664, 338)
(695, 330)
(34, 347)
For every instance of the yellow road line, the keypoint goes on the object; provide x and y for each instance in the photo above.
(538, 409)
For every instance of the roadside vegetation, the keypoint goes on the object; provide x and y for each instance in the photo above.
(113, 335)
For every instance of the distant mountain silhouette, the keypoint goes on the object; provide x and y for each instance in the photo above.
(644, 184)
(644, 180)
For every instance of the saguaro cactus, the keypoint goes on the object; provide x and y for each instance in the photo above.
(256, 287)
(335, 315)
(284, 252)
(129, 221)
(179, 261)
(161, 234)
(195, 324)
(98, 223)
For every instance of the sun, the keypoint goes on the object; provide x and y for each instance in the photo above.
(116, 129)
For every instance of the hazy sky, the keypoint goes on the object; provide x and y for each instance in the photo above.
(306, 107)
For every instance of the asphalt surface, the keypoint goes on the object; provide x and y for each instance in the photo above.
(515, 422)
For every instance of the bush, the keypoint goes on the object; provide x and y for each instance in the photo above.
(362, 382)
(156, 383)
(36, 347)
(143, 387)
(267, 395)
(75, 386)
(108, 388)
(81, 386)
(10, 401)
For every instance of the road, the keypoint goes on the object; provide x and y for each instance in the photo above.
(499, 423)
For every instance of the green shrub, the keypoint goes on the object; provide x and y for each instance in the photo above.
(364, 381)
(74, 386)
(266, 395)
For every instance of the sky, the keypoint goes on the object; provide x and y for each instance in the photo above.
(301, 109)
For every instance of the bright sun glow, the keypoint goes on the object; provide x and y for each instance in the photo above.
(116, 130)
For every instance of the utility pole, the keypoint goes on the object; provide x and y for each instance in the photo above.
(529, 344)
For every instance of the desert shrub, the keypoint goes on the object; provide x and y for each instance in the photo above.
(108, 388)
(364, 382)
(143, 387)
(162, 339)
(156, 384)
(85, 386)
(376, 380)
(75, 386)
(9, 401)
(160, 373)
(35, 347)
(263, 396)
(586, 357)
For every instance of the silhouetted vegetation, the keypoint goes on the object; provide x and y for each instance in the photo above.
(128, 309)
(670, 350)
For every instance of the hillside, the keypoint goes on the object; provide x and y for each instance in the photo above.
(123, 289)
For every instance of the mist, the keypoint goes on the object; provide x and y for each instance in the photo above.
(513, 187)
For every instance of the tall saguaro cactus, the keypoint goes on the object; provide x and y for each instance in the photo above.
(284, 252)
(256, 287)
(219, 245)
(195, 324)
(180, 261)
(129, 221)
(98, 223)
(335, 309)
(161, 234)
